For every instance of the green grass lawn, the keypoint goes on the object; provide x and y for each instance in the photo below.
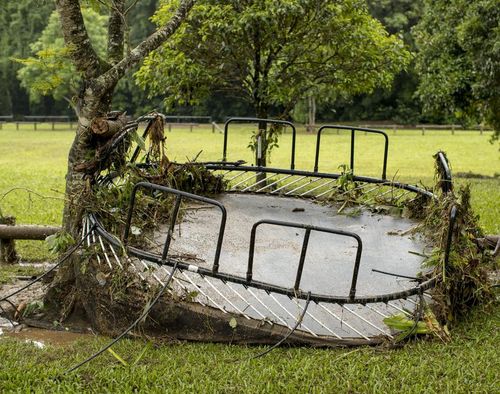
(470, 363)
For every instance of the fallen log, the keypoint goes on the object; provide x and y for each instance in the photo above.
(27, 232)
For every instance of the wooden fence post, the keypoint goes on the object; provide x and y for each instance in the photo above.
(7, 246)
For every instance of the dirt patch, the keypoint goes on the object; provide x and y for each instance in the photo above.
(26, 311)
(22, 299)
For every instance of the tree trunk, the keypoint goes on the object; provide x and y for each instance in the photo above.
(311, 114)
(63, 293)
(7, 246)
(99, 79)
(261, 144)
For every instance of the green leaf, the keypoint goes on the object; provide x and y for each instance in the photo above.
(115, 355)
(142, 353)
(139, 141)
(59, 242)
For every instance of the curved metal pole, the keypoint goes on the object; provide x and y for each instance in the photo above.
(255, 120)
(353, 131)
(308, 228)
(179, 195)
(446, 183)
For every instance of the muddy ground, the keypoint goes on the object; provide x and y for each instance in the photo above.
(20, 318)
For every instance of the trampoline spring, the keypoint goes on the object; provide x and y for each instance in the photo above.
(429, 296)
(367, 321)
(118, 261)
(377, 311)
(343, 322)
(360, 188)
(84, 226)
(237, 176)
(153, 274)
(267, 308)
(244, 300)
(349, 191)
(202, 292)
(233, 188)
(181, 285)
(318, 187)
(413, 199)
(274, 183)
(398, 308)
(255, 184)
(325, 192)
(380, 195)
(291, 314)
(87, 229)
(403, 195)
(412, 301)
(302, 186)
(288, 184)
(104, 252)
(225, 298)
(318, 321)
(97, 254)
(138, 272)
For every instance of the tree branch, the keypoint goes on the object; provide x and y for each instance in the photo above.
(116, 31)
(76, 37)
(110, 77)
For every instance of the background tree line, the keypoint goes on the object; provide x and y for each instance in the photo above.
(453, 70)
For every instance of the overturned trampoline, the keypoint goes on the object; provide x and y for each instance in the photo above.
(275, 252)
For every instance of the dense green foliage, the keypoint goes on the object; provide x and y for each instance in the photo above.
(397, 102)
(459, 59)
(50, 71)
(271, 54)
(457, 52)
(35, 69)
(21, 22)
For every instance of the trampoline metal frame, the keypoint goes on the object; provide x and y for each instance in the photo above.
(312, 176)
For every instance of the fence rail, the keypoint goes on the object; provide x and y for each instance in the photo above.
(191, 122)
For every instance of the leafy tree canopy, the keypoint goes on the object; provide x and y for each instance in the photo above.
(459, 59)
(50, 70)
(21, 21)
(272, 53)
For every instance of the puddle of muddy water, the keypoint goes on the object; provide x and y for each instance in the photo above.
(43, 337)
